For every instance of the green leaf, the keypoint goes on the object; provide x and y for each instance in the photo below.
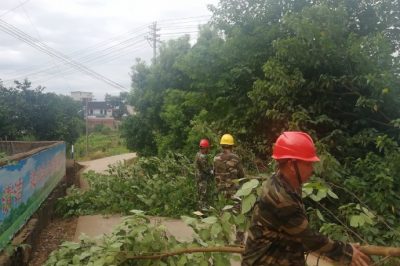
(227, 207)
(188, 220)
(243, 192)
(357, 221)
(216, 229)
(248, 203)
(251, 184)
(210, 220)
(332, 194)
(76, 260)
(84, 255)
(320, 216)
(137, 211)
(307, 191)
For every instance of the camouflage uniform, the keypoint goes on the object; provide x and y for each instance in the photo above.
(279, 233)
(227, 167)
(203, 177)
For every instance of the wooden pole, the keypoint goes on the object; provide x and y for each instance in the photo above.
(233, 249)
(369, 250)
(380, 251)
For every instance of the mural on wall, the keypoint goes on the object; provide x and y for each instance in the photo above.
(24, 185)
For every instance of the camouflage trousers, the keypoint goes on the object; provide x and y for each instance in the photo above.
(269, 248)
(202, 193)
(226, 187)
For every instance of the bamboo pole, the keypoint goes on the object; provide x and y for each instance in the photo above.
(369, 250)
(380, 251)
(233, 249)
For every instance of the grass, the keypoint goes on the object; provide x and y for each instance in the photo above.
(100, 144)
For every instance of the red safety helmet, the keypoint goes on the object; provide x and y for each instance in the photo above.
(204, 143)
(295, 145)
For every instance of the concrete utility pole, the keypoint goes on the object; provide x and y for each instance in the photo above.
(86, 124)
(153, 39)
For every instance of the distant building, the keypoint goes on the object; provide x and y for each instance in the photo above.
(100, 113)
(99, 109)
(107, 122)
(82, 96)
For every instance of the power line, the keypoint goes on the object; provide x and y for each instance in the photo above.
(116, 50)
(15, 32)
(70, 71)
(41, 39)
(12, 9)
(93, 49)
(88, 57)
(98, 59)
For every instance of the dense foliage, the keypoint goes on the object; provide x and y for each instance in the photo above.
(137, 236)
(163, 187)
(330, 68)
(31, 114)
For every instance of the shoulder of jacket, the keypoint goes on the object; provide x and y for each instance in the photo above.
(274, 192)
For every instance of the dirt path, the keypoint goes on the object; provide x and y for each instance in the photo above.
(58, 231)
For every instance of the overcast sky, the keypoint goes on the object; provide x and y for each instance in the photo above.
(106, 36)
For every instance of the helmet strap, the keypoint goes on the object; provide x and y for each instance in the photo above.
(296, 168)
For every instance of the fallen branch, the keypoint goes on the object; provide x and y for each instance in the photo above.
(369, 250)
(232, 249)
(381, 251)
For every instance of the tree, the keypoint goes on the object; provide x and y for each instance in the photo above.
(32, 114)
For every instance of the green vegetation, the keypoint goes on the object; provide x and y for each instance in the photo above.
(103, 142)
(136, 236)
(325, 67)
(260, 67)
(160, 187)
(29, 114)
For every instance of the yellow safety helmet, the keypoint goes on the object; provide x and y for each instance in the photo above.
(227, 139)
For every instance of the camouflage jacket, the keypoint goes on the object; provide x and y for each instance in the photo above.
(279, 233)
(227, 166)
(203, 166)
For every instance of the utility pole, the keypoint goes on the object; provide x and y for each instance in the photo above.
(86, 122)
(153, 39)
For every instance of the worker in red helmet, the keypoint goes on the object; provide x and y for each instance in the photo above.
(204, 172)
(279, 233)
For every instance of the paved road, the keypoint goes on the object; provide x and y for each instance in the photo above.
(101, 165)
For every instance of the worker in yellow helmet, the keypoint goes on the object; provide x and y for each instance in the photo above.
(227, 170)
(227, 167)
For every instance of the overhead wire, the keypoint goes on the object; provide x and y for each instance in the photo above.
(118, 37)
(116, 50)
(41, 39)
(12, 9)
(83, 59)
(90, 49)
(99, 59)
(15, 32)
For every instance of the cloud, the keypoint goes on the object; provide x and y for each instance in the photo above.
(70, 26)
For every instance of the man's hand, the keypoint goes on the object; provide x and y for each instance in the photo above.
(359, 258)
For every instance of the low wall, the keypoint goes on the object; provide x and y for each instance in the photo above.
(26, 180)
(12, 148)
(25, 241)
